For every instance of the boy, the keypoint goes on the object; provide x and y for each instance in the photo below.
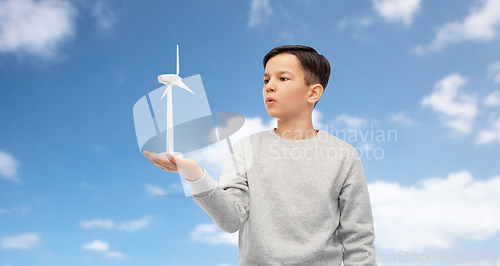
(292, 204)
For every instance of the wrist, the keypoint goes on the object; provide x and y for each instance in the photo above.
(199, 173)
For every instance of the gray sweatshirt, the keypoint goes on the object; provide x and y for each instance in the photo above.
(294, 202)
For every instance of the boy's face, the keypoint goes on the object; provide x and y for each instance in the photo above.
(284, 81)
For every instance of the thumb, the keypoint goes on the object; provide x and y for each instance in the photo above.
(171, 157)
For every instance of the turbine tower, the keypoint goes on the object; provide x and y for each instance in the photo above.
(171, 80)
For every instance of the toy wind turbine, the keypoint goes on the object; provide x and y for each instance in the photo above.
(171, 80)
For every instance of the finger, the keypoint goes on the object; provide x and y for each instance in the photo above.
(171, 158)
(165, 168)
(165, 161)
(156, 163)
(163, 165)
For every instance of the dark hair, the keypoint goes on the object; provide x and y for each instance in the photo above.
(315, 66)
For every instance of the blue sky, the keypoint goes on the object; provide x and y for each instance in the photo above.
(74, 189)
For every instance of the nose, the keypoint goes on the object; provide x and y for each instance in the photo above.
(269, 87)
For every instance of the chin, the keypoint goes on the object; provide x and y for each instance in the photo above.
(272, 114)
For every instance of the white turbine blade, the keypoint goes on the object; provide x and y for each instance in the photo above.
(184, 86)
(165, 91)
(164, 94)
(177, 60)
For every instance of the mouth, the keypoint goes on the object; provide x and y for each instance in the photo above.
(270, 102)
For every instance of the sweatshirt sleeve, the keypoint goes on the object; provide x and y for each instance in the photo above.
(356, 231)
(227, 202)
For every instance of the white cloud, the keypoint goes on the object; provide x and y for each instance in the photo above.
(96, 245)
(402, 118)
(110, 224)
(491, 134)
(486, 136)
(97, 147)
(23, 241)
(98, 223)
(99, 245)
(457, 109)
(35, 27)
(155, 191)
(351, 122)
(104, 15)
(21, 209)
(114, 255)
(210, 233)
(481, 24)
(287, 36)
(260, 11)
(493, 99)
(85, 185)
(134, 225)
(397, 10)
(358, 22)
(494, 71)
(212, 157)
(8, 166)
(18, 209)
(436, 212)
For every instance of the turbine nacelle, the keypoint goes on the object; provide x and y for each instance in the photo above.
(173, 79)
(169, 79)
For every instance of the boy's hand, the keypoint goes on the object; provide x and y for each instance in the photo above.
(185, 166)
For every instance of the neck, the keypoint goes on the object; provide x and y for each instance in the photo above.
(295, 129)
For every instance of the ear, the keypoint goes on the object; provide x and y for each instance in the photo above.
(315, 92)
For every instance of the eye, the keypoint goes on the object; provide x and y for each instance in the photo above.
(266, 81)
(284, 78)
